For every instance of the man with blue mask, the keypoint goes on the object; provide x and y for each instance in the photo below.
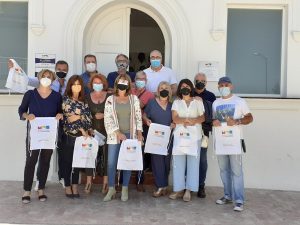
(231, 110)
(144, 96)
(157, 73)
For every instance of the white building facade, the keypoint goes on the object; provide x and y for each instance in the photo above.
(255, 42)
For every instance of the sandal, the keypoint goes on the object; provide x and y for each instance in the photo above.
(43, 198)
(26, 199)
(88, 188)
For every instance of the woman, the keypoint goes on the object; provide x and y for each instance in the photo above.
(40, 102)
(158, 110)
(77, 121)
(122, 120)
(186, 111)
(96, 101)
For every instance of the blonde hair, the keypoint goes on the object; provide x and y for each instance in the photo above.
(126, 77)
(168, 88)
(42, 72)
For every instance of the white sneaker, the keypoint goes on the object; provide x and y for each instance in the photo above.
(62, 182)
(36, 188)
(239, 207)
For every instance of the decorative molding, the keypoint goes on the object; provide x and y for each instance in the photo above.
(217, 35)
(36, 17)
(37, 29)
(296, 35)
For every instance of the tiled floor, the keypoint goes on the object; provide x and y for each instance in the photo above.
(262, 207)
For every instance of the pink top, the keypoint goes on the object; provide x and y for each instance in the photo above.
(143, 95)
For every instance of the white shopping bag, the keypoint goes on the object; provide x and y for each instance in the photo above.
(99, 137)
(227, 140)
(186, 141)
(43, 133)
(85, 152)
(17, 79)
(130, 155)
(158, 139)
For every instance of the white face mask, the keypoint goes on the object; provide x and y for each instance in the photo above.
(45, 81)
(91, 67)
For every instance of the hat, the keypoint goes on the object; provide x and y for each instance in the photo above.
(224, 80)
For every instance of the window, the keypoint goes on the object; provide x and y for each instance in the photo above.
(14, 36)
(254, 43)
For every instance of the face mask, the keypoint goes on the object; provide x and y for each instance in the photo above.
(122, 65)
(155, 63)
(185, 91)
(45, 81)
(122, 87)
(200, 85)
(164, 93)
(91, 67)
(76, 88)
(140, 83)
(98, 87)
(224, 91)
(61, 74)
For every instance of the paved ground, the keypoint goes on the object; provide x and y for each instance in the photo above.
(262, 207)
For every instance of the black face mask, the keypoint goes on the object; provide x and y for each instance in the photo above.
(185, 91)
(122, 87)
(61, 74)
(164, 93)
(199, 85)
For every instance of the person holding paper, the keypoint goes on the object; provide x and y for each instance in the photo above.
(122, 120)
(40, 102)
(231, 110)
(158, 111)
(77, 121)
(187, 111)
(96, 101)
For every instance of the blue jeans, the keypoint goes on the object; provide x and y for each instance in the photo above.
(231, 172)
(202, 166)
(186, 172)
(113, 155)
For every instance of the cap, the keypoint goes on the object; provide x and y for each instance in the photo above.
(224, 80)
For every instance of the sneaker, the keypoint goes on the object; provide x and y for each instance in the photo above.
(62, 182)
(239, 207)
(223, 201)
(36, 188)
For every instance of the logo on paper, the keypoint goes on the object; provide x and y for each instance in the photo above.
(131, 149)
(44, 128)
(185, 134)
(87, 147)
(159, 133)
(227, 133)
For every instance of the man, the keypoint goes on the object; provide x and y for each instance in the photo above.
(231, 110)
(90, 63)
(122, 62)
(157, 73)
(144, 97)
(208, 98)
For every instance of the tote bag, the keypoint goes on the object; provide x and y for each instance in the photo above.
(130, 155)
(186, 141)
(17, 79)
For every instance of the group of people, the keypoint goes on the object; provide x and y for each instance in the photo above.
(122, 105)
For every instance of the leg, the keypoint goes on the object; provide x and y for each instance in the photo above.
(159, 170)
(44, 161)
(31, 159)
(179, 168)
(192, 172)
(113, 153)
(203, 166)
(89, 176)
(225, 172)
(237, 178)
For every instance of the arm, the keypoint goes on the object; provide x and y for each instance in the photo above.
(109, 122)
(23, 108)
(248, 118)
(174, 89)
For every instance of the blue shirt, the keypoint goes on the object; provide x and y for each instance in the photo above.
(111, 77)
(33, 103)
(157, 114)
(86, 79)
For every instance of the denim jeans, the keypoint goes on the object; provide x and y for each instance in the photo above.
(231, 172)
(202, 166)
(113, 155)
(186, 172)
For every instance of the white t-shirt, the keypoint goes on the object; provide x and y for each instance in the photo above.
(154, 78)
(234, 107)
(194, 110)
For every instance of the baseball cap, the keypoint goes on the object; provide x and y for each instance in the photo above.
(224, 80)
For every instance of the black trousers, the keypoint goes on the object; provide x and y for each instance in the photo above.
(71, 176)
(44, 156)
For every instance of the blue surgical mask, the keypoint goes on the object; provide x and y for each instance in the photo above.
(224, 91)
(140, 83)
(155, 63)
(98, 87)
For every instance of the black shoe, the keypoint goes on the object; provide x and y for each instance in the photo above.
(201, 192)
(43, 198)
(26, 199)
(76, 195)
(69, 195)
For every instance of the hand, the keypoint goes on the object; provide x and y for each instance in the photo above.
(10, 64)
(148, 122)
(29, 117)
(187, 122)
(91, 132)
(140, 136)
(121, 136)
(198, 98)
(173, 125)
(59, 116)
(216, 123)
(99, 116)
(230, 121)
(73, 118)
(84, 133)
